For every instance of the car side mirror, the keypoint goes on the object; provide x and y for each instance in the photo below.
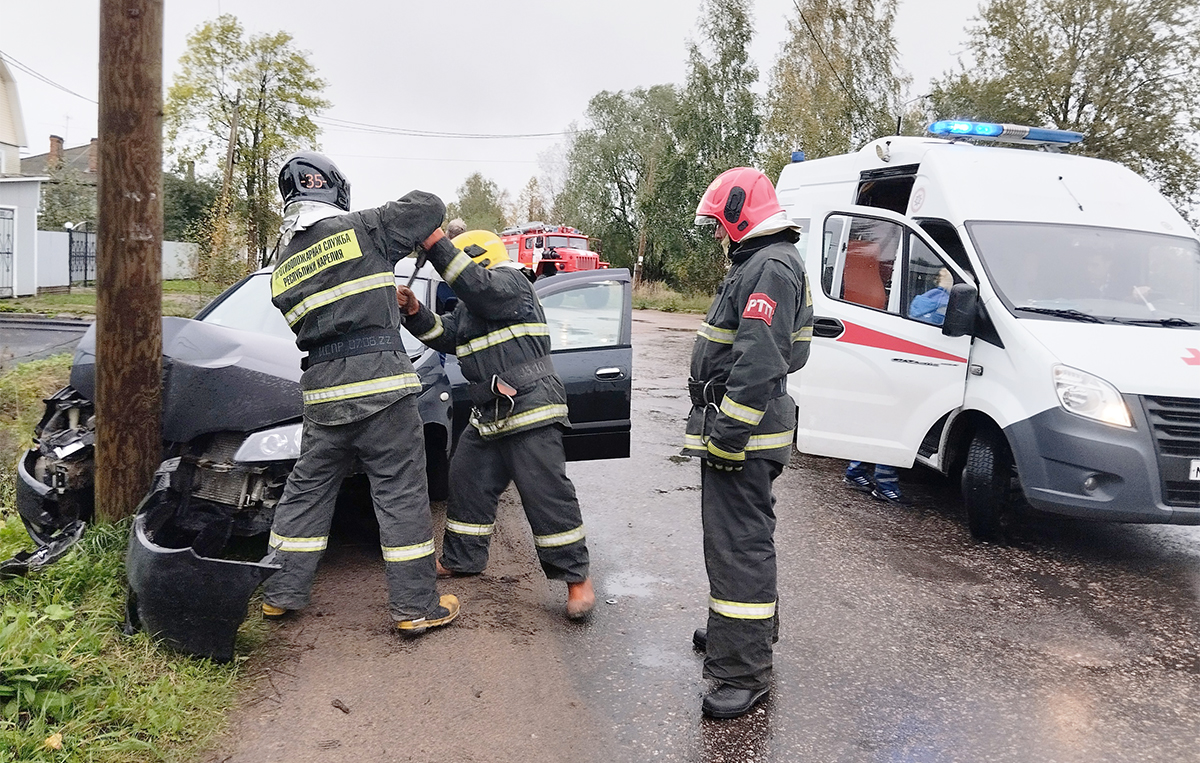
(961, 310)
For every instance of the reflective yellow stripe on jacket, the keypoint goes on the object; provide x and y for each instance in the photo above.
(714, 334)
(756, 442)
(362, 389)
(341, 291)
(742, 413)
(519, 420)
(433, 333)
(502, 335)
(742, 610)
(456, 267)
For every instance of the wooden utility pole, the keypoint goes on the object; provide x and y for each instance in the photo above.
(129, 257)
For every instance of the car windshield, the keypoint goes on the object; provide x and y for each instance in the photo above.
(567, 242)
(248, 307)
(1079, 272)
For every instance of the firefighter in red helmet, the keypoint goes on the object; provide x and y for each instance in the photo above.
(757, 331)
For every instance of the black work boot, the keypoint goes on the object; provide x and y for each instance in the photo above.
(727, 701)
(700, 637)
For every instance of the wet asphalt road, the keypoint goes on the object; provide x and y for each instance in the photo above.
(902, 639)
(25, 339)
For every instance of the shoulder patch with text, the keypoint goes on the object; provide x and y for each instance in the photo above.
(323, 254)
(760, 306)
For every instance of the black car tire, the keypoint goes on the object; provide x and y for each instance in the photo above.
(987, 485)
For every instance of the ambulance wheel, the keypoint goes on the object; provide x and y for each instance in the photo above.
(987, 485)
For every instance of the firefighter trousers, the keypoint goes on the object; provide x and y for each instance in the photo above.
(738, 514)
(482, 469)
(391, 448)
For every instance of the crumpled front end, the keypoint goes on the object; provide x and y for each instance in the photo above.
(54, 481)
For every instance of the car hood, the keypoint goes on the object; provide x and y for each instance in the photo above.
(1138, 360)
(214, 378)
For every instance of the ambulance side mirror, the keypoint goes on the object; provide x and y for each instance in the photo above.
(961, 310)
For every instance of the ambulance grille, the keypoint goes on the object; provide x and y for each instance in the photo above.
(1175, 422)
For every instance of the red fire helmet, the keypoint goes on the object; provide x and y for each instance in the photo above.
(738, 199)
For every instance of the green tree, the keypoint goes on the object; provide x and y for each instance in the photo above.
(1125, 73)
(613, 169)
(837, 83)
(186, 203)
(274, 92)
(530, 205)
(480, 204)
(716, 127)
(67, 197)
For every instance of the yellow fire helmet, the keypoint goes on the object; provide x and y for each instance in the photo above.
(483, 246)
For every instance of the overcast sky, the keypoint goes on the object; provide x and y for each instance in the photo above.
(465, 66)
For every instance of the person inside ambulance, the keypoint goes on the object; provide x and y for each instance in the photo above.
(499, 333)
(930, 307)
(333, 281)
(742, 422)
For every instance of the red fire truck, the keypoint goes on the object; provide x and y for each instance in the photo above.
(550, 249)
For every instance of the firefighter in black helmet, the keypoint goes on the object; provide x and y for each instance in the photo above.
(333, 281)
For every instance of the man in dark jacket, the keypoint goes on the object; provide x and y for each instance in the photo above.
(333, 281)
(499, 333)
(742, 422)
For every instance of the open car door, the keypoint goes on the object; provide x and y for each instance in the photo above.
(881, 373)
(590, 314)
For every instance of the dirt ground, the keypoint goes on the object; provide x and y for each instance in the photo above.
(339, 684)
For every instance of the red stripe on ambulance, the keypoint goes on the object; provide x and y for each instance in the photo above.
(855, 334)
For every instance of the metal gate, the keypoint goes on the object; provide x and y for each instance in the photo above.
(83, 255)
(8, 220)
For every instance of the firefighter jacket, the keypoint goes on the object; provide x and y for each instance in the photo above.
(757, 331)
(497, 329)
(334, 284)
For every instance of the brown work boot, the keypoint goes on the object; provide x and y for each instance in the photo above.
(581, 597)
(442, 572)
(442, 614)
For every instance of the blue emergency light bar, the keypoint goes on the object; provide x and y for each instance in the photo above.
(1003, 132)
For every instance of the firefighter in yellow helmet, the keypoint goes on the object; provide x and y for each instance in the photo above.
(499, 333)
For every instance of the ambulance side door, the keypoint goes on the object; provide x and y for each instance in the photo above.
(881, 372)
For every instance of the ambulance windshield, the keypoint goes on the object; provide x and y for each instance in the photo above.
(1052, 271)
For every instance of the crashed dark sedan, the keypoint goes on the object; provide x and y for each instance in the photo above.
(231, 428)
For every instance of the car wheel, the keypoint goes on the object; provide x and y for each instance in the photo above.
(987, 485)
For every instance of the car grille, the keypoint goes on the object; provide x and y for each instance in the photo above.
(217, 479)
(1175, 422)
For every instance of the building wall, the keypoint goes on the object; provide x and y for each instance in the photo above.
(54, 259)
(23, 195)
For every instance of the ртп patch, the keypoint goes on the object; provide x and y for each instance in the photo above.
(303, 265)
(760, 306)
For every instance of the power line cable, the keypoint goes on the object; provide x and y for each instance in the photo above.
(43, 78)
(347, 124)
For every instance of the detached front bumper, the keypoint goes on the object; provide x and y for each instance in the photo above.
(180, 591)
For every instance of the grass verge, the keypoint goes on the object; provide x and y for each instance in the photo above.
(180, 298)
(655, 295)
(72, 686)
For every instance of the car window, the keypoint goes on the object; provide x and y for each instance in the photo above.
(585, 317)
(927, 283)
(860, 258)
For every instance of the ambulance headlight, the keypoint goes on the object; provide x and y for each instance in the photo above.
(1090, 396)
(278, 444)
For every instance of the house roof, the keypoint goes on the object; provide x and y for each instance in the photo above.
(77, 158)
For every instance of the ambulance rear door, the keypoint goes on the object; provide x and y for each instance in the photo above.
(881, 372)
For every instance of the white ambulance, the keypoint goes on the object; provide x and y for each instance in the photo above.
(1028, 319)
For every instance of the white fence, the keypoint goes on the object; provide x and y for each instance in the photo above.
(54, 259)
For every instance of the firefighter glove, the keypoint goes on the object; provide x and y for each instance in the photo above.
(725, 460)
